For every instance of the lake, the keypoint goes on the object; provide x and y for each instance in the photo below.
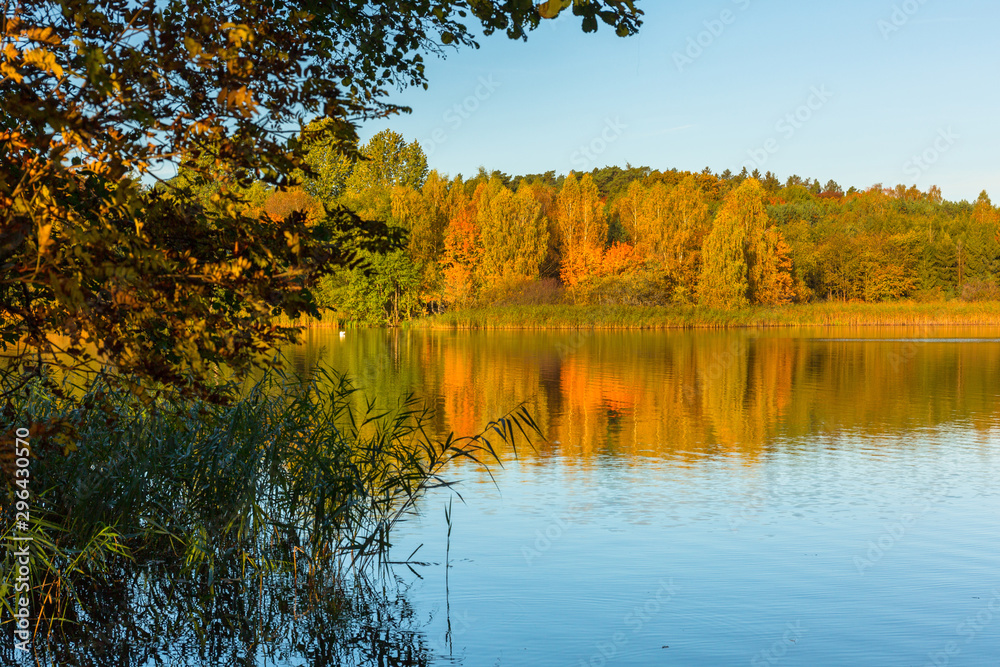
(799, 497)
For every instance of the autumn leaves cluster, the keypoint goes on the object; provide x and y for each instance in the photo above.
(479, 240)
(637, 237)
(495, 239)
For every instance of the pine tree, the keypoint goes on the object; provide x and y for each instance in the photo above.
(982, 252)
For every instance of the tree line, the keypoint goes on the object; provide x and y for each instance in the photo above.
(635, 236)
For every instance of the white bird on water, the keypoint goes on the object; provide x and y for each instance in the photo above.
(343, 333)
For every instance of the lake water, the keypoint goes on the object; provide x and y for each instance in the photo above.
(796, 497)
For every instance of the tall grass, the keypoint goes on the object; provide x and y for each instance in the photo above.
(288, 478)
(681, 317)
(331, 320)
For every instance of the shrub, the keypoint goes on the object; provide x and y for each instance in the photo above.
(980, 290)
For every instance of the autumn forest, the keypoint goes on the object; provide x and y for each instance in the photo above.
(635, 236)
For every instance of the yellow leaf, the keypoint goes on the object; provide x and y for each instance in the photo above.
(44, 60)
(44, 234)
(238, 34)
(550, 8)
(11, 73)
(44, 35)
(193, 47)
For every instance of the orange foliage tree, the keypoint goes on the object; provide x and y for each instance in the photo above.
(582, 227)
(462, 249)
(282, 203)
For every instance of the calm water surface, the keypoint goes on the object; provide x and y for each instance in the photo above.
(817, 497)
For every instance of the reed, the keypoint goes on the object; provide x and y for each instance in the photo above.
(330, 320)
(288, 477)
(904, 313)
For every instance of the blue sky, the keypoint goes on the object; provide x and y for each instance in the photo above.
(859, 92)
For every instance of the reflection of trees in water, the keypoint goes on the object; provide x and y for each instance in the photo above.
(153, 618)
(709, 392)
(699, 392)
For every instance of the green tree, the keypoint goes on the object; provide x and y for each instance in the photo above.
(386, 162)
(385, 292)
(938, 270)
(422, 215)
(982, 250)
(330, 154)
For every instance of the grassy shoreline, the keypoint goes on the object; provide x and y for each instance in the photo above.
(904, 313)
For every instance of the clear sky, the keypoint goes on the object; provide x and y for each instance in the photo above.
(858, 92)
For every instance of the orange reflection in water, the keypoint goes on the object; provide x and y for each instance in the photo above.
(684, 394)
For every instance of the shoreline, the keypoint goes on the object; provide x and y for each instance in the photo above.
(827, 314)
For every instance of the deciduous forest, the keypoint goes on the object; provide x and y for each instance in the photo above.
(634, 236)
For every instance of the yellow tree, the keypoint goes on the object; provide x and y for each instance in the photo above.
(723, 282)
(743, 261)
(642, 212)
(282, 203)
(628, 208)
(984, 213)
(687, 224)
(513, 234)
(772, 280)
(568, 211)
(435, 191)
(546, 195)
(415, 212)
(668, 227)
